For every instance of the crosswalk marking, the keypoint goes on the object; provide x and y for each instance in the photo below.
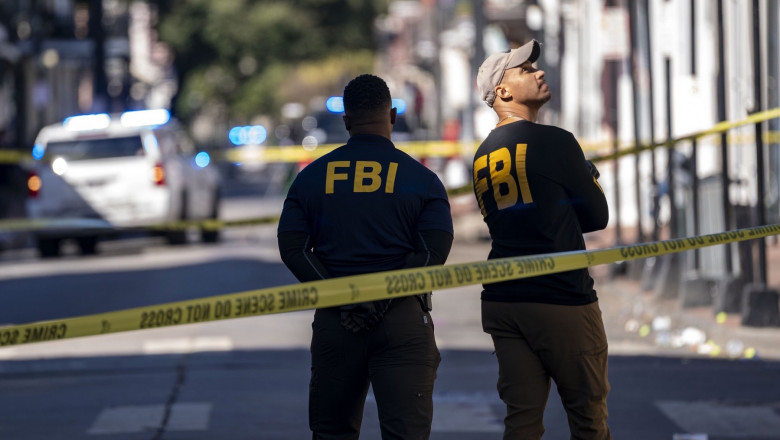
(188, 345)
(456, 412)
(465, 417)
(147, 418)
(724, 419)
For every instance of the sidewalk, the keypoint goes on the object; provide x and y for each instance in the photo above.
(636, 316)
(637, 321)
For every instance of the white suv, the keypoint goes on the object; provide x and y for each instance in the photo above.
(134, 170)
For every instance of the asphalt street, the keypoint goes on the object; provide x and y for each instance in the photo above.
(248, 378)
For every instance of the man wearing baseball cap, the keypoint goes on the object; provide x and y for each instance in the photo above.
(538, 194)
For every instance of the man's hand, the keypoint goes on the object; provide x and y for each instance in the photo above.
(363, 316)
(592, 169)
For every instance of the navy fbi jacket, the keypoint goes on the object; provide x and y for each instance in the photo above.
(538, 196)
(363, 206)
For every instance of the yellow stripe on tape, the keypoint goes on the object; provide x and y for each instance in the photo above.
(359, 288)
(12, 156)
(54, 224)
(44, 224)
(215, 224)
(720, 127)
(297, 153)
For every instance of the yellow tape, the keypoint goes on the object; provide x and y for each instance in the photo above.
(346, 290)
(717, 129)
(297, 153)
(53, 224)
(44, 224)
(12, 156)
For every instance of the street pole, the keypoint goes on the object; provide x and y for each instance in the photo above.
(651, 97)
(761, 190)
(694, 145)
(724, 146)
(671, 191)
(773, 101)
(97, 34)
(615, 74)
(438, 23)
(637, 137)
(468, 124)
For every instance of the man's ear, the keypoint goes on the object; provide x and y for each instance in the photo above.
(393, 115)
(347, 123)
(503, 92)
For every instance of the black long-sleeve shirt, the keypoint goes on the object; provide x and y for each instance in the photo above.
(538, 196)
(360, 209)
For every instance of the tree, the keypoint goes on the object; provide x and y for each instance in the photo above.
(251, 56)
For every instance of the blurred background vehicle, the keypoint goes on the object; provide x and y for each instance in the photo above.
(135, 169)
(325, 126)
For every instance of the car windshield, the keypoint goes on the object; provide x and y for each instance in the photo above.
(83, 149)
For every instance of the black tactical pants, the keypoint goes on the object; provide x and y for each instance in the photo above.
(398, 358)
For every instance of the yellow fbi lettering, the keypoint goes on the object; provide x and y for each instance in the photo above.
(505, 187)
(366, 176)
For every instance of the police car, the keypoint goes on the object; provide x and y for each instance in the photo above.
(133, 170)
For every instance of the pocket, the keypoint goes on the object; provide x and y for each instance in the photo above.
(328, 345)
(410, 336)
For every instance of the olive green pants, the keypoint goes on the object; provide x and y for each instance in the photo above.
(398, 358)
(536, 343)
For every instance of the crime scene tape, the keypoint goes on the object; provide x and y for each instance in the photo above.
(633, 150)
(359, 288)
(55, 224)
(296, 153)
(11, 156)
(716, 129)
(49, 224)
(431, 148)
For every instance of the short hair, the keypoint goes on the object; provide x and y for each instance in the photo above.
(366, 95)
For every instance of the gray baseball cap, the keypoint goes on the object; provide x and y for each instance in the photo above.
(491, 72)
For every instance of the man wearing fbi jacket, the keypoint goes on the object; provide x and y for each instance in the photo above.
(538, 195)
(368, 207)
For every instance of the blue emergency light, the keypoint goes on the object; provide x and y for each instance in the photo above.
(248, 135)
(335, 104)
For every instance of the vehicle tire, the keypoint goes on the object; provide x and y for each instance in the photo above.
(212, 235)
(88, 245)
(179, 236)
(49, 247)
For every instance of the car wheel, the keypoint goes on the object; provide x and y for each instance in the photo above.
(87, 245)
(49, 247)
(212, 235)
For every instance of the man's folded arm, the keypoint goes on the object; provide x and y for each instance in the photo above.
(295, 249)
(433, 248)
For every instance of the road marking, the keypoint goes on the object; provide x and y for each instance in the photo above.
(465, 417)
(724, 419)
(188, 345)
(7, 353)
(146, 418)
(460, 412)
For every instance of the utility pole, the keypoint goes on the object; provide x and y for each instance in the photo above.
(97, 34)
(694, 144)
(632, 24)
(761, 190)
(724, 146)
(651, 98)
